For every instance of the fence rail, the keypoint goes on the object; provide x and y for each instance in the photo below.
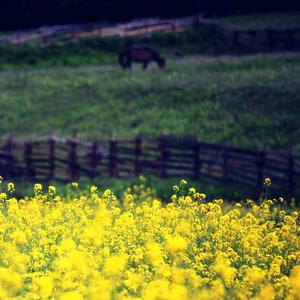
(248, 40)
(75, 31)
(268, 39)
(69, 160)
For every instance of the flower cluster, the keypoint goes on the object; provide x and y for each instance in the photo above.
(95, 246)
(267, 181)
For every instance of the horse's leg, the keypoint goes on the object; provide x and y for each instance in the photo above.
(129, 62)
(145, 65)
(122, 62)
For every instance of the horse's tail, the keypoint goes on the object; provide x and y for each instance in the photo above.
(122, 59)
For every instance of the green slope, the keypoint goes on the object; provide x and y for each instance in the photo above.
(249, 101)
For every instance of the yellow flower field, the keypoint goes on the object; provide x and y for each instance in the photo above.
(91, 245)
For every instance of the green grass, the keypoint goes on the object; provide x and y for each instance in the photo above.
(262, 21)
(32, 54)
(95, 50)
(230, 193)
(77, 87)
(249, 102)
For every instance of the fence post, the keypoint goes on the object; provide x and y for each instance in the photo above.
(225, 157)
(94, 158)
(235, 38)
(290, 41)
(260, 168)
(137, 154)
(270, 37)
(164, 154)
(45, 41)
(291, 175)
(9, 159)
(51, 157)
(28, 147)
(196, 160)
(253, 34)
(73, 171)
(113, 163)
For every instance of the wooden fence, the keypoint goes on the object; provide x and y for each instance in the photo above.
(268, 39)
(70, 160)
(76, 31)
(226, 38)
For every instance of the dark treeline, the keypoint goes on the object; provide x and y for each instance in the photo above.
(20, 14)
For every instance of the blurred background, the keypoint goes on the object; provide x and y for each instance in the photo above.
(20, 14)
(223, 113)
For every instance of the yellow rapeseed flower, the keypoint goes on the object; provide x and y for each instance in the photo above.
(3, 196)
(175, 188)
(10, 187)
(93, 189)
(267, 181)
(38, 188)
(75, 185)
(183, 182)
(93, 246)
(51, 190)
(176, 244)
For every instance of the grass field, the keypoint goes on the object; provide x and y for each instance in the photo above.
(193, 41)
(78, 88)
(250, 101)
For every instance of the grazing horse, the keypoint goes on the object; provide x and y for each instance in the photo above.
(142, 55)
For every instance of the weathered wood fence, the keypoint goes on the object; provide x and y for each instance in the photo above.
(227, 38)
(76, 31)
(69, 160)
(268, 39)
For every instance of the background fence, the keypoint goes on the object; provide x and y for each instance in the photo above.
(268, 39)
(70, 160)
(47, 34)
(244, 40)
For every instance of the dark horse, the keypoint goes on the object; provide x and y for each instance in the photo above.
(142, 55)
